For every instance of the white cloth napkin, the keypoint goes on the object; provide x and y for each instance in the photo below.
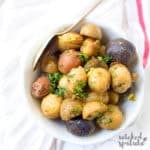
(24, 23)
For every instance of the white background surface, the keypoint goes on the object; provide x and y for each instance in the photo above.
(22, 24)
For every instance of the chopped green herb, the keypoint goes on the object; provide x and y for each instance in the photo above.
(100, 58)
(54, 79)
(80, 91)
(104, 120)
(70, 75)
(100, 115)
(60, 91)
(131, 97)
(83, 57)
(105, 59)
(110, 110)
(76, 111)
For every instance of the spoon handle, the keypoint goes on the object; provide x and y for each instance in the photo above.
(85, 13)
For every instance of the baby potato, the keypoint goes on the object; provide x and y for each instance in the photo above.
(94, 63)
(75, 75)
(111, 119)
(91, 30)
(68, 59)
(121, 78)
(113, 97)
(99, 80)
(92, 109)
(90, 47)
(48, 64)
(123, 51)
(70, 40)
(64, 83)
(40, 87)
(70, 109)
(101, 97)
(50, 106)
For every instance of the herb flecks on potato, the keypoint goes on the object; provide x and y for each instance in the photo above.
(83, 83)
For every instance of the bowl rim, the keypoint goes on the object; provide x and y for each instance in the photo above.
(100, 141)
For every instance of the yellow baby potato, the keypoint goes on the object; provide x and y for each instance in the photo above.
(99, 80)
(92, 109)
(50, 106)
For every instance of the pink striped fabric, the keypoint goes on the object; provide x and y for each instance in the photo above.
(143, 27)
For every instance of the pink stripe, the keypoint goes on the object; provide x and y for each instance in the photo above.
(146, 40)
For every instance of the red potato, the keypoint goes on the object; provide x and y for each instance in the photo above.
(68, 59)
(40, 87)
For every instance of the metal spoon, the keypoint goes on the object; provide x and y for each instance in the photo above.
(63, 31)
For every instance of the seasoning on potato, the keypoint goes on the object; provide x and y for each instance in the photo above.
(122, 51)
(91, 30)
(67, 60)
(111, 119)
(70, 109)
(80, 127)
(82, 79)
(40, 87)
(70, 40)
(92, 109)
(99, 80)
(50, 106)
(101, 97)
(90, 47)
(95, 63)
(121, 78)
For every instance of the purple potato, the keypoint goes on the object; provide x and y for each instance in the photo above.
(122, 51)
(80, 127)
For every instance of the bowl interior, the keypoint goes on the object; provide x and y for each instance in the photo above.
(57, 128)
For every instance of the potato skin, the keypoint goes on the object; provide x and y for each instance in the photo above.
(91, 30)
(122, 51)
(70, 109)
(94, 63)
(68, 59)
(64, 83)
(111, 119)
(101, 97)
(121, 78)
(40, 87)
(75, 75)
(80, 127)
(92, 109)
(90, 47)
(48, 64)
(99, 80)
(50, 106)
(70, 40)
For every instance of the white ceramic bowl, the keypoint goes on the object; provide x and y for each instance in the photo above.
(130, 109)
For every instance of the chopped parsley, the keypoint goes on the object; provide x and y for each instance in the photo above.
(105, 59)
(80, 91)
(100, 115)
(83, 57)
(70, 75)
(131, 97)
(111, 110)
(60, 91)
(76, 111)
(54, 79)
(104, 120)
